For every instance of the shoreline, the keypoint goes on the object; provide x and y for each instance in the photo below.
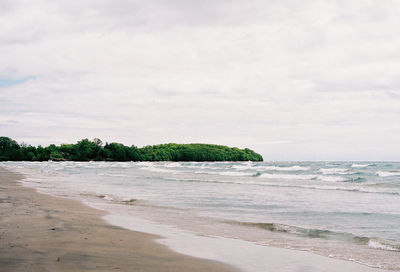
(247, 256)
(213, 253)
(44, 233)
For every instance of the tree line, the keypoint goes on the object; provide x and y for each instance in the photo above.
(95, 150)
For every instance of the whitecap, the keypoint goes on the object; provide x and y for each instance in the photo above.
(108, 197)
(160, 170)
(173, 165)
(226, 173)
(287, 176)
(383, 245)
(304, 177)
(387, 174)
(284, 168)
(356, 165)
(144, 163)
(241, 167)
(111, 175)
(340, 171)
(238, 174)
(332, 178)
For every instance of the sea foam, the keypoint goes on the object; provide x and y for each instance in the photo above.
(303, 177)
(286, 168)
(340, 171)
(159, 170)
(383, 245)
(387, 174)
(356, 165)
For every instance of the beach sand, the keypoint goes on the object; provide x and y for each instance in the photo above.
(39, 232)
(44, 233)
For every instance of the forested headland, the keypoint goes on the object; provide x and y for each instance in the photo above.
(95, 150)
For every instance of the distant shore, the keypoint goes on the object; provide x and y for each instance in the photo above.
(44, 233)
(86, 150)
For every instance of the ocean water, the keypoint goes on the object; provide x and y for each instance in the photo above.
(344, 210)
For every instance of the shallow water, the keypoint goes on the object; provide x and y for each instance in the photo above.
(345, 210)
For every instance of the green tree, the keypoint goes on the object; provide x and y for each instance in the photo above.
(86, 150)
(8, 149)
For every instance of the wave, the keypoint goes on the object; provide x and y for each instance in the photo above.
(335, 179)
(383, 245)
(356, 165)
(159, 170)
(283, 185)
(112, 198)
(371, 242)
(102, 196)
(226, 173)
(172, 165)
(185, 165)
(111, 175)
(195, 180)
(350, 189)
(286, 168)
(89, 165)
(293, 168)
(145, 163)
(243, 167)
(339, 171)
(237, 174)
(287, 176)
(387, 174)
(306, 177)
(309, 233)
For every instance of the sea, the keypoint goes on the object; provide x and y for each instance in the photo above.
(343, 210)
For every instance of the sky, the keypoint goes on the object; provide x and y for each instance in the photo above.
(293, 80)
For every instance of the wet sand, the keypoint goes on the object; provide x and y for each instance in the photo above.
(44, 233)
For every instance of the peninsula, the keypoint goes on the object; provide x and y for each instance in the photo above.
(95, 150)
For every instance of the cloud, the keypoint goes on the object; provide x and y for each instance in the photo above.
(293, 80)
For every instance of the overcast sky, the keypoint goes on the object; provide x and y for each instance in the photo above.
(293, 80)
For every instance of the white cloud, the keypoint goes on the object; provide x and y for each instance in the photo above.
(318, 79)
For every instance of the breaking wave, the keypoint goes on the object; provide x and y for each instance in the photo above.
(293, 168)
(387, 174)
(286, 168)
(356, 165)
(340, 171)
(371, 242)
(160, 170)
(307, 177)
(383, 245)
(111, 175)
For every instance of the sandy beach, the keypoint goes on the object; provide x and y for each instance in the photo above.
(44, 233)
(40, 232)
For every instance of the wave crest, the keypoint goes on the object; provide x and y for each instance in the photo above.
(305, 177)
(324, 234)
(356, 165)
(383, 245)
(286, 168)
(387, 174)
(340, 171)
